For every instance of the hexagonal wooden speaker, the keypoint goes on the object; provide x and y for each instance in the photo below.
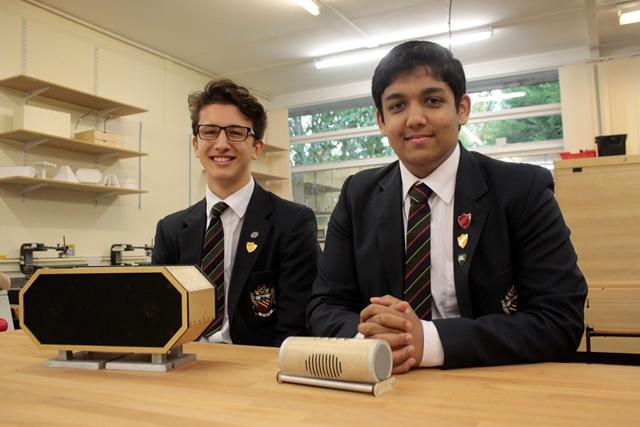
(116, 309)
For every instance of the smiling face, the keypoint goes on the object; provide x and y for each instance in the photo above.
(421, 121)
(227, 164)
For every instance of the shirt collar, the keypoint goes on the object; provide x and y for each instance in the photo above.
(238, 201)
(442, 180)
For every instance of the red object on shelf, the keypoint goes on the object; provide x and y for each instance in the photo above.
(580, 155)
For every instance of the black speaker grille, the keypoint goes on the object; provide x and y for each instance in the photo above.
(323, 365)
(117, 309)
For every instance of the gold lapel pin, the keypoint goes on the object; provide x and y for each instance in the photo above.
(462, 240)
(251, 247)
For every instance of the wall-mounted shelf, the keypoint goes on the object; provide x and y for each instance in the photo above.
(36, 87)
(273, 149)
(264, 177)
(30, 184)
(32, 139)
(312, 188)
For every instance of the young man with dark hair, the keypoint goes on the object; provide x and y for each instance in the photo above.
(452, 257)
(258, 250)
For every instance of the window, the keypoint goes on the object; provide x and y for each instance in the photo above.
(514, 119)
(334, 133)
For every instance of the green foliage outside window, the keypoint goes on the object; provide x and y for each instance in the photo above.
(364, 147)
(472, 135)
(535, 94)
(542, 128)
(332, 120)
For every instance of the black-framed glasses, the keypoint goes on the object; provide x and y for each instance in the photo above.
(235, 133)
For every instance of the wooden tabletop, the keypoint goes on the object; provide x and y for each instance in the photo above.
(236, 386)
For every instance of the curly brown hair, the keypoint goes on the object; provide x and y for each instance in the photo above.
(225, 91)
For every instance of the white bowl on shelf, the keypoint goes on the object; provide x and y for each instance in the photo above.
(89, 176)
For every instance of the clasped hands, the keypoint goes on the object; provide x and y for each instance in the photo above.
(394, 321)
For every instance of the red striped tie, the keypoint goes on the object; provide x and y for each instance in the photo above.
(417, 267)
(213, 263)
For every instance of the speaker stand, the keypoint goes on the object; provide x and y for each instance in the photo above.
(82, 359)
(155, 362)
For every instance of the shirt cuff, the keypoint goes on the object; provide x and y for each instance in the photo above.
(432, 351)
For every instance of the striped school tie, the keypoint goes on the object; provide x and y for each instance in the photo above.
(417, 268)
(213, 263)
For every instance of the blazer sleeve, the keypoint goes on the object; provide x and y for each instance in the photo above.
(298, 266)
(162, 254)
(551, 293)
(335, 302)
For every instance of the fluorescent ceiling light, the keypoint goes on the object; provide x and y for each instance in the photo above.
(310, 6)
(371, 54)
(351, 58)
(629, 17)
(463, 38)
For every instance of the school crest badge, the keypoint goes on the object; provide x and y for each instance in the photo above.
(510, 301)
(263, 300)
(464, 220)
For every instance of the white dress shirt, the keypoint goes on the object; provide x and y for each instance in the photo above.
(232, 219)
(444, 303)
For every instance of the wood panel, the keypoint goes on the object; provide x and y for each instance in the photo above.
(600, 202)
(601, 205)
(620, 299)
(614, 306)
(234, 385)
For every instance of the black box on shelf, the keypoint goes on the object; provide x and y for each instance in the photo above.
(611, 145)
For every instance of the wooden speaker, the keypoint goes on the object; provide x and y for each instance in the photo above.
(362, 365)
(116, 309)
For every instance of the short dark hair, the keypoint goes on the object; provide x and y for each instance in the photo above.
(226, 91)
(406, 56)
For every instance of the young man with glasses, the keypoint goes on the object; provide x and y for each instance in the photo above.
(454, 258)
(258, 250)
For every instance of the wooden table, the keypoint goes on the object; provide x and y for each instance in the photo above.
(236, 386)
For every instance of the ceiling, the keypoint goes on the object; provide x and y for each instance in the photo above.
(270, 45)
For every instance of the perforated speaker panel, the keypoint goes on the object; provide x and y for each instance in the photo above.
(119, 309)
(323, 366)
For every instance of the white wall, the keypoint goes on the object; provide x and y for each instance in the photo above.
(601, 98)
(43, 45)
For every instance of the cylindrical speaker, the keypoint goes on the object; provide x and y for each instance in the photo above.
(350, 364)
(116, 309)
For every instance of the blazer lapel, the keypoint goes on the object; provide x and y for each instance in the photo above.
(191, 236)
(389, 228)
(255, 231)
(469, 217)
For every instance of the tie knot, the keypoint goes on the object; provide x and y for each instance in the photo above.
(217, 209)
(419, 193)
